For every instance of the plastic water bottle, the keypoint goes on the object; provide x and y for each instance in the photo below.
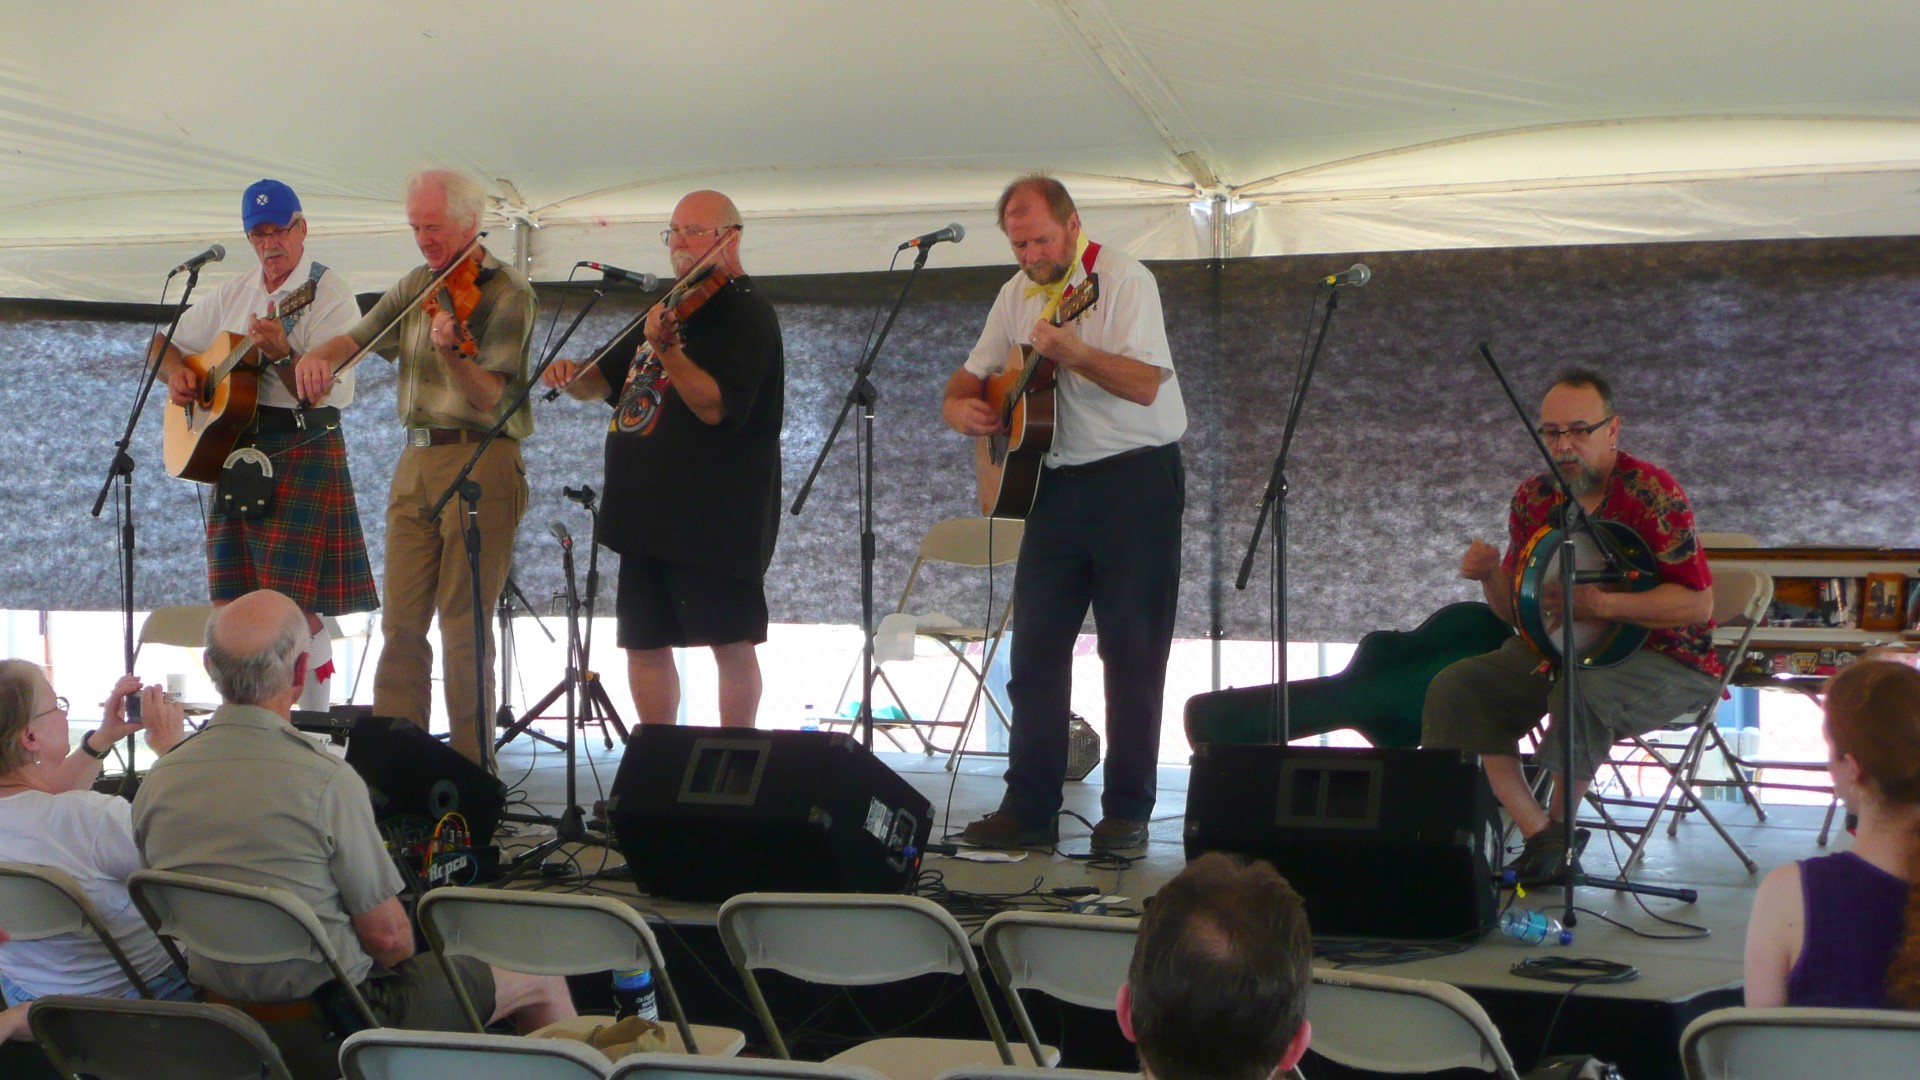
(633, 994)
(1534, 927)
(809, 719)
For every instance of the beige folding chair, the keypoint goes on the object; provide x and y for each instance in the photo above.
(1726, 540)
(1741, 596)
(558, 934)
(392, 1054)
(972, 543)
(1016, 1072)
(238, 924)
(181, 625)
(683, 1067)
(1775, 1044)
(43, 901)
(853, 939)
(1380, 1023)
(118, 1039)
(1080, 959)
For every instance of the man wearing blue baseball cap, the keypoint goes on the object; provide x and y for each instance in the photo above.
(304, 540)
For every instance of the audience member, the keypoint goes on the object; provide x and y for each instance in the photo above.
(1218, 985)
(1844, 929)
(50, 816)
(252, 800)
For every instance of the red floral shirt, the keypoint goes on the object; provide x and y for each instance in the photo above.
(1645, 498)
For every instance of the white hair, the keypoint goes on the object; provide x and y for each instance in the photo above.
(466, 199)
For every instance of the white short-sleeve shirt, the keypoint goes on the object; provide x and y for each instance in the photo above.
(1090, 423)
(234, 304)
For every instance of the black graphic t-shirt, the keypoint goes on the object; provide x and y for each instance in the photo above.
(677, 488)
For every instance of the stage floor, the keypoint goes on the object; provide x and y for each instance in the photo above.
(1675, 964)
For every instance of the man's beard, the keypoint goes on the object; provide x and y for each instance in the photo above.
(1582, 478)
(1045, 273)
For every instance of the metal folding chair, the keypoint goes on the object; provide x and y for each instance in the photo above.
(42, 901)
(1775, 1044)
(118, 1039)
(1380, 1023)
(1080, 959)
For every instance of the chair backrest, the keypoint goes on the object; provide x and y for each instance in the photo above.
(236, 924)
(545, 934)
(1741, 597)
(1726, 540)
(971, 542)
(664, 1066)
(119, 1039)
(393, 1054)
(1030, 1072)
(1762, 1044)
(828, 938)
(44, 901)
(1381, 1023)
(184, 625)
(1081, 959)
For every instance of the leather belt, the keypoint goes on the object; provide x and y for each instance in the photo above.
(1106, 463)
(274, 420)
(269, 1012)
(441, 436)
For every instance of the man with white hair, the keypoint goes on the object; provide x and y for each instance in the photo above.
(460, 369)
(252, 800)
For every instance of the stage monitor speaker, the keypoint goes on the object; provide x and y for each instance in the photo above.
(411, 773)
(705, 813)
(1379, 843)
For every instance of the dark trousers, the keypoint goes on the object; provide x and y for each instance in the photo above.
(1105, 536)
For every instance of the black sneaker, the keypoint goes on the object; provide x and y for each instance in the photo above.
(1119, 834)
(1002, 830)
(1539, 861)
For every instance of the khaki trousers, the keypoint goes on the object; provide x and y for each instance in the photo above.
(426, 574)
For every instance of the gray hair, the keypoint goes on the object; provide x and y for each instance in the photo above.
(466, 199)
(18, 681)
(252, 678)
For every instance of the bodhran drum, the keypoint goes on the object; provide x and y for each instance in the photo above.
(1597, 642)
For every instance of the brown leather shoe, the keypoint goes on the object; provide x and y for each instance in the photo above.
(1119, 834)
(1002, 830)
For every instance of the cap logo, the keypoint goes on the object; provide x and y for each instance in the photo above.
(260, 199)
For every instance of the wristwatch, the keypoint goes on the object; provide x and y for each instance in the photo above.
(87, 747)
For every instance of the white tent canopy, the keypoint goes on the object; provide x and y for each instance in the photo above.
(127, 130)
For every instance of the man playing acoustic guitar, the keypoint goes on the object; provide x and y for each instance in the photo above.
(1104, 528)
(305, 541)
(1486, 703)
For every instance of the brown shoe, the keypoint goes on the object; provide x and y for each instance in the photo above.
(1119, 834)
(1002, 830)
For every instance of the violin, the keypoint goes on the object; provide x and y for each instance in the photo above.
(466, 264)
(459, 293)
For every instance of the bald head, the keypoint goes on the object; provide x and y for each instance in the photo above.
(256, 647)
(698, 221)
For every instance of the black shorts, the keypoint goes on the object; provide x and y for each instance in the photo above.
(672, 605)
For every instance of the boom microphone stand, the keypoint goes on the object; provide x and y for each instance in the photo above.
(1576, 519)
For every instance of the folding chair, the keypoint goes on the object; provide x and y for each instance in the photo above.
(832, 939)
(1380, 1023)
(1016, 1072)
(682, 1067)
(392, 1054)
(119, 1039)
(974, 543)
(1741, 596)
(181, 625)
(1080, 959)
(1774, 1044)
(557, 934)
(43, 901)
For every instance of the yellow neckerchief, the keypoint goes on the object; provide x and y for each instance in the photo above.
(1058, 289)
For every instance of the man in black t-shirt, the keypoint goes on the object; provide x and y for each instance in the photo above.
(692, 500)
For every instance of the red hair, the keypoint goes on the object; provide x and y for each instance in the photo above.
(1873, 715)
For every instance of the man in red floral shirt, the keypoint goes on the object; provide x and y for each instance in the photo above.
(1486, 703)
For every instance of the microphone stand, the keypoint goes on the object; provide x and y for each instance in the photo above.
(469, 491)
(864, 394)
(509, 653)
(120, 473)
(1575, 519)
(1274, 500)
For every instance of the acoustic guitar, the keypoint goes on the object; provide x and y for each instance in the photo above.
(1007, 466)
(197, 437)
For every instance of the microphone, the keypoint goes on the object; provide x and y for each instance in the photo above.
(560, 533)
(582, 494)
(952, 232)
(647, 282)
(1356, 276)
(212, 254)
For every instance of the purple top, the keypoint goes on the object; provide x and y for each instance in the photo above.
(1855, 913)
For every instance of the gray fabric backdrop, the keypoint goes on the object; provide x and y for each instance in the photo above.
(1777, 380)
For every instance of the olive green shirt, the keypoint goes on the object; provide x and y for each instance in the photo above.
(252, 800)
(502, 326)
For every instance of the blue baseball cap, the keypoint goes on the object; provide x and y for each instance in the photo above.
(268, 202)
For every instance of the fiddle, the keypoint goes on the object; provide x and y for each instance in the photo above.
(426, 297)
(459, 293)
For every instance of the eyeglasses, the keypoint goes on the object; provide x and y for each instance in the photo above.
(667, 235)
(268, 233)
(59, 706)
(1576, 432)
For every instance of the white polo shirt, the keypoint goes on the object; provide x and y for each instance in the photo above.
(1090, 423)
(237, 300)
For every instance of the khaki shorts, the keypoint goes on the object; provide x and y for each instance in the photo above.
(417, 996)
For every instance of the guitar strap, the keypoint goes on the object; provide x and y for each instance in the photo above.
(285, 370)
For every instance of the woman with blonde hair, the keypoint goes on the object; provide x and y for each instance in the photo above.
(50, 815)
(1844, 929)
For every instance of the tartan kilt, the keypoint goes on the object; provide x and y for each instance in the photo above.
(309, 545)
